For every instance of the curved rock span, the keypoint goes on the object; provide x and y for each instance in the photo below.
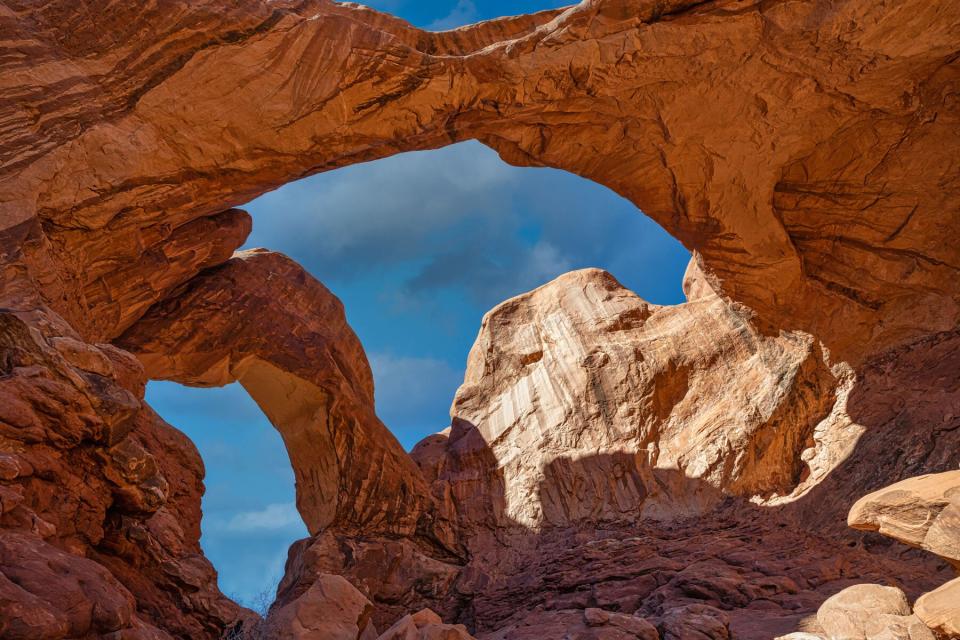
(613, 469)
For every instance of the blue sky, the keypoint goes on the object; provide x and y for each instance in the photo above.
(417, 247)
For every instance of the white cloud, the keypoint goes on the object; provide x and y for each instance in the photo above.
(543, 263)
(465, 12)
(409, 388)
(382, 212)
(272, 517)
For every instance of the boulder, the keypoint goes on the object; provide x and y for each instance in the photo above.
(331, 609)
(923, 512)
(425, 625)
(940, 609)
(854, 613)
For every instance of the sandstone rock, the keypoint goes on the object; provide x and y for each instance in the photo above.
(48, 594)
(923, 512)
(331, 609)
(854, 613)
(425, 625)
(101, 498)
(781, 164)
(290, 346)
(940, 609)
(591, 624)
(605, 407)
(397, 575)
(892, 627)
(639, 627)
(426, 616)
(807, 155)
(694, 622)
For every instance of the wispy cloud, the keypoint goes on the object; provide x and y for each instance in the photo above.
(409, 389)
(491, 269)
(361, 218)
(273, 517)
(464, 12)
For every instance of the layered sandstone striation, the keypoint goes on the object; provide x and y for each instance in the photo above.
(922, 512)
(596, 435)
(805, 151)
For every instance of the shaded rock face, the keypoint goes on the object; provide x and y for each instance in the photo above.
(806, 151)
(100, 500)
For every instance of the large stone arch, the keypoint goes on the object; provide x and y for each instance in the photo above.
(805, 150)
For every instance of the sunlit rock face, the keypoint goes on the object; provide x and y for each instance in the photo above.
(596, 436)
(806, 151)
(598, 406)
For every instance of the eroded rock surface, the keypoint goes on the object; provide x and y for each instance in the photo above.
(923, 512)
(940, 609)
(806, 151)
(280, 333)
(862, 611)
(597, 406)
(331, 608)
(100, 499)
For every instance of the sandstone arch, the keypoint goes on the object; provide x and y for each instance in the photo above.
(806, 150)
(260, 319)
(785, 142)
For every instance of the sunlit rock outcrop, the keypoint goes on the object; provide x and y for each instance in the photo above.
(598, 406)
(585, 407)
(923, 512)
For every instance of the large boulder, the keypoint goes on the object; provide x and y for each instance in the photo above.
(425, 625)
(923, 512)
(940, 609)
(870, 612)
(331, 609)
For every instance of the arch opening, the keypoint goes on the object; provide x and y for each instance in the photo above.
(418, 247)
(249, 510)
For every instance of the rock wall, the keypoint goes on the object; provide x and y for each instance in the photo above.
(806, 151)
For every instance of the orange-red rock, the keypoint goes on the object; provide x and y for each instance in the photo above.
(806, 151)
(813, 169)
(940, 609)
(332, 609)
(923, 512)
(260, 319)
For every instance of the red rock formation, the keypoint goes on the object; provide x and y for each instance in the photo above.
(806, 150)
(332, 608)
(100, 502)
(269, 325)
